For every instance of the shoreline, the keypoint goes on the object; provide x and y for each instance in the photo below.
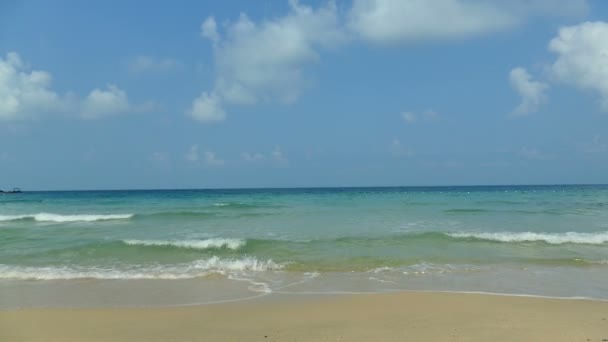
(146, 293)
(292, 296)
(395, 316)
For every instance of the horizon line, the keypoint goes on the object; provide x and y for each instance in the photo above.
(322, 187)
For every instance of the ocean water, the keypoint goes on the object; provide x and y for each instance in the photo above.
(193, 246)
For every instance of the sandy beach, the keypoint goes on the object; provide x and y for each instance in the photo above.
(405, 316)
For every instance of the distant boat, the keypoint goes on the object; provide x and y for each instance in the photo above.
(14, 191)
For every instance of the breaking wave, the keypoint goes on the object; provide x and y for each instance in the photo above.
(233, 244)
(48, 217)
(195, 269)
(552, 238)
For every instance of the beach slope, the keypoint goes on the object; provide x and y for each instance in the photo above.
(406, 316)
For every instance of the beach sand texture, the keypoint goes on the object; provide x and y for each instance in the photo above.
(404, 316)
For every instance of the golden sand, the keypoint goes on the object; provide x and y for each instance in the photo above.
(407, 316)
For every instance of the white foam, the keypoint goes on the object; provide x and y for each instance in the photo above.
(14, 217)
(552, 238)
(47, 217)
(244, 264)
(381, 269)
(196, 269)
(193, 244)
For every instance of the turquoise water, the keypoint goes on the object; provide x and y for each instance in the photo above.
(543, 240)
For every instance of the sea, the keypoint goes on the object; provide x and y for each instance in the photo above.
(191, 247)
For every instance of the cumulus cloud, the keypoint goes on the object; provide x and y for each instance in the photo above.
(276, 157)
(141, 64)
(265, 61)
(253, 157)
(209, 29)
(389, 21)
(210, 159)
(100, 102)
(160, 157)
(408, 117)
(279, 157)
(207, 158)
(25, 93)
(402, 20)
(192, 154)
(582, 58)
(427, 115)
(399, 150)
(595, 146)
(532, 92)
(531, 153)
(207, 108)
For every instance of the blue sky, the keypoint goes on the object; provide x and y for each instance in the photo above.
(111, 95)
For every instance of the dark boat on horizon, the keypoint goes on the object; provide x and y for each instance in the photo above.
(14, 191)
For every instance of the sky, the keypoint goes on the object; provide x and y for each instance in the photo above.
(231, 94)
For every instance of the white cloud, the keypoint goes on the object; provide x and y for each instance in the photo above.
(276, 157)
(387, 21)
(582, 57)
(26, 93)
(265, 61)
(279, 157)
(431, 115)
(427, 115)
(207, 108)
(209, 29)
(595, 146)
(398, 150)
(210, 159)
(533, 154)
(253, 157)
(408, 117)
(192, 154)
(152, 64)
(402, 20)
(532, 92)
(101, 102)
(160, 157)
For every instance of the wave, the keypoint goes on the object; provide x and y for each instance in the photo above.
(200, 215)
(196, 269)
(552, 238)
(47, 217)
(233, 244)
(242, 205)
(177, 214)
(466, 211)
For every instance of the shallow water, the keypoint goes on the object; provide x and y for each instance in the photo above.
(541, 240)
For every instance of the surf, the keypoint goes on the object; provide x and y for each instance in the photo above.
(49, 217)
(213, 243)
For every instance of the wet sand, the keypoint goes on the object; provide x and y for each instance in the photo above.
(404, 316)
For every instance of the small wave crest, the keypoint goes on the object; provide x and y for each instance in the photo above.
(196, 269)
(552, 238)
(245, 205)
(47, 217)
(213, 243)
